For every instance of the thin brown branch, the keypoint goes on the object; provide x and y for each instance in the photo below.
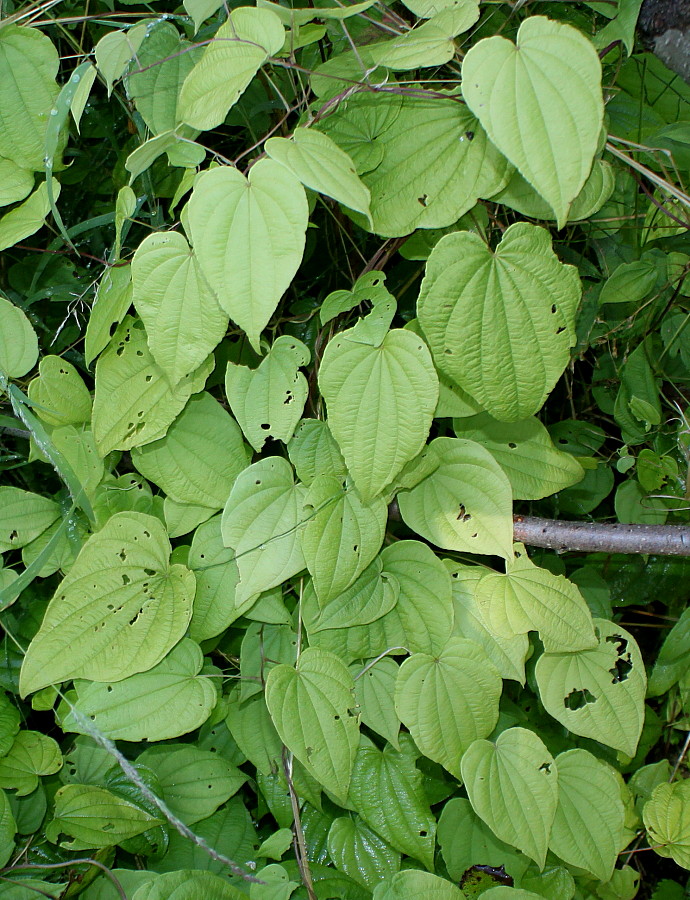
(594, 537)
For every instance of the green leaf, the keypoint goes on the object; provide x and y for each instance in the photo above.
(9, 717)
(28, 217)
(312, 708)
(291, 17)
(59, 394)
(28, 65)
(119, 611)
(200, 456)
(412, 883)
(15, 182)
(341, 537)
(248, 235)
(268, 401)
(535, 468)
(264, 509)
(359, 852)
(251, 725)
(621, 27)
(597, 693)
(540, 102)
(216, 576)
(428, 44)
(194, 782)
(630, 282)
(200, 10)
(321, 165)
(240, 47)
(373, 594)
(673, 660)
(94, 817)
(363, 384)
(375, 693)
(465, 504)
(507, 654)
(181, 518)
(500, 323)
(528, 598)
(18, 341)
(113, 299)
(169, 700)
(387, 792)
(667, 820)
(424, 9)
(23, 516)
(8, 829)
(115, 50)
(134, 403)
(182, 317)
(313, 451)
(588, 827)
(32, 754)
(448, 700)
(513, 787)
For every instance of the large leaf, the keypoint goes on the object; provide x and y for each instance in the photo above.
(448, 700)
(381, 391)
(540, 102)
(513, 787)
(375, 693)
(169, 700)
(134, 402)
(528, 598)
(312, 707)
(341, 537)
(268, 401)
(597, 693)
(411, 883)
(248, 235)
(373, 594)
(465, 504)
(23, 517)
(321, 165)
(240, 47)
(182, 317)
(387, 792)
(535, 468)
(251, 726)
(360, 852)
(199, 458)
(588, 826)
(264, 513)
(500, 323)
(119, 611)
(18, 341)
(667, 819)
(189, 885)
(28, 65)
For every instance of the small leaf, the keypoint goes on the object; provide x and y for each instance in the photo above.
(513, 787)
(32, 754)
(59, 394)
(25, 219)
(540, 102)
(428, 44)
(18, 341)
(23, 516)
(113, 299)
(412, 883)
(667, 820)
(312, 708)
(597, 693)
(217, 575)
(8, 829)
(630, 282)
(313, 451)
(375, 693)
(372, 595)
(115, 50)
(15, 182)
(359, 852)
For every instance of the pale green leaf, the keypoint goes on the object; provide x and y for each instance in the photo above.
(313, 451)
(312, 707)
(181, 518)
(465, 504)
(200, 10)
(597, 693)
(667, 820)
(18, 341)
(588, 826)
(113, 299)
(28, 217)
(321, 165)
(342, 535)
(94, 817)
(240, 47)
(535, 468)
(78, 449)
(513, 787)
(540, 102)
(629, 282)
(115, 50)
(412, 883)
(428, 44)
(119, 611)
(268, 401)
(217, 576)
(23, 516)
(297, 17)
(508, 654)
(529, 598)
(134, 403)
(375, 693)
(500, 323)
(32, 754)
(248, 235)
(387, 792)
(622, 27)
(8, 829)
(81, 95)
(169, 700)
(359, 852)
(181, 150)
(425, 9)
(182, 318)
(15, 182)
(381, 401)
(200, 456)
(28, 65)
(448, 700)
(58, 394)
(194, 782)
(189, 885)
(372, 595)
(264, 511)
